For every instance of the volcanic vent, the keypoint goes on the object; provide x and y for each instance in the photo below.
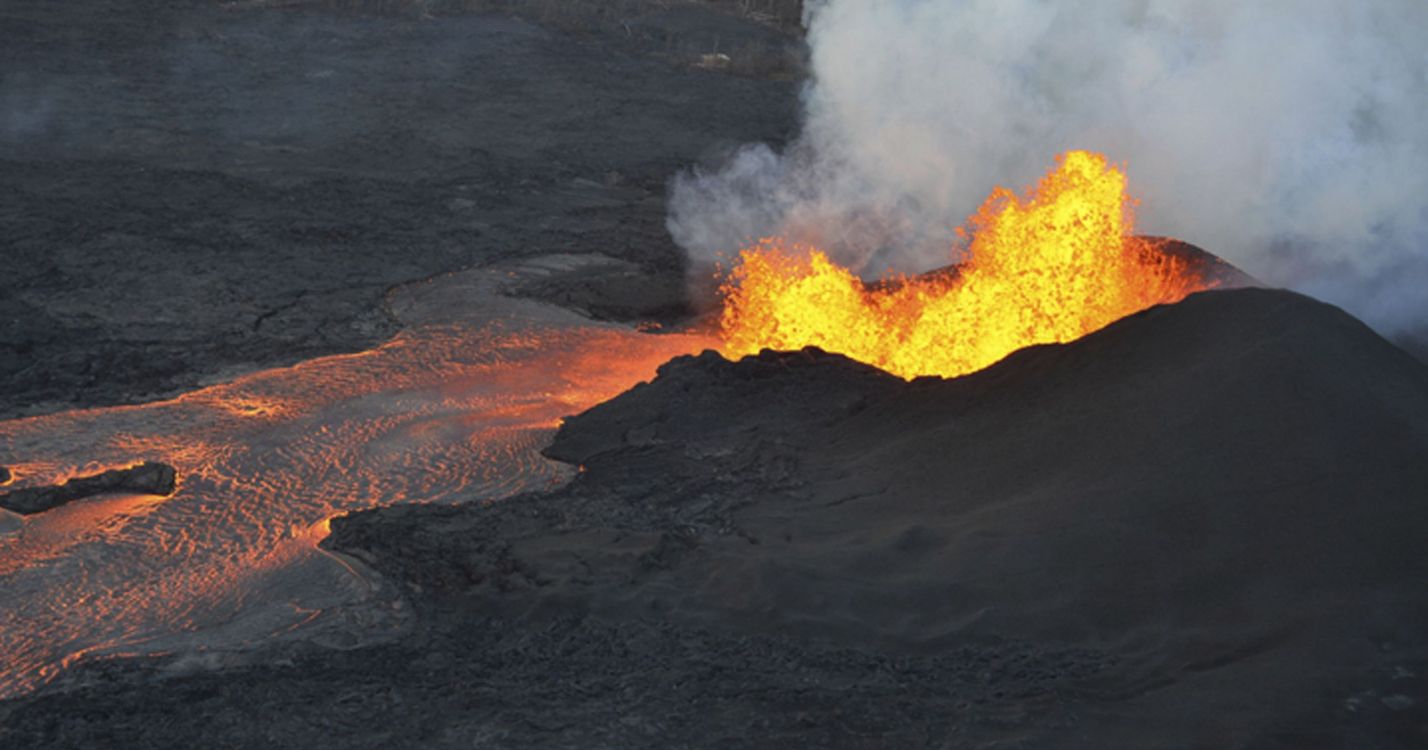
(1049, 267)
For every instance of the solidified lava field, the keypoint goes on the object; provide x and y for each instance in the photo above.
(189, 191)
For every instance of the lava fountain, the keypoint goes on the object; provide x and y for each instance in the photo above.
(1050, 267)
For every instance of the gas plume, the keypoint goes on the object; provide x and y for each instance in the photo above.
(1286, 136)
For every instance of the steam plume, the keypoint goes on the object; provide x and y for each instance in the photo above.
(1289, 136)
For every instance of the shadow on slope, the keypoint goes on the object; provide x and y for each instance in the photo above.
(1230, 494)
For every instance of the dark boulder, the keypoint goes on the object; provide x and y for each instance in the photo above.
(149, 478)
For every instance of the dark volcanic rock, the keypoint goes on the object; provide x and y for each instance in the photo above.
(4, 475)
(1222, 499)
(1199, 527)
(610, 290)
(688, 403)
(195, 189)
(148, 478)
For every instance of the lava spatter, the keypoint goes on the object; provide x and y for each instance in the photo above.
(1049, 267)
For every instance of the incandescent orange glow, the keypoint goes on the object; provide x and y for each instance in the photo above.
(456, 407)
(1052, 266)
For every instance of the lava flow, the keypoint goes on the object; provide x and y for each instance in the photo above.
(1050, 267)
(457, 407)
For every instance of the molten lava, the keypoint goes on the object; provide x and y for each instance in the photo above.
(1050, 267)
(456, 407)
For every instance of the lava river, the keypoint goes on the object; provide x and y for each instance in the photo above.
(457, 407)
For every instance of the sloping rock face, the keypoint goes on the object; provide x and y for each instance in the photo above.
(1199, 527)
(1227, 496)
(1209, 447)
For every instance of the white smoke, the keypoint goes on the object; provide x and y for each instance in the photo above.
(1288, 136)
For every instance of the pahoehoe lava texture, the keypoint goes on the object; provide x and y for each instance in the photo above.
(1199, 527)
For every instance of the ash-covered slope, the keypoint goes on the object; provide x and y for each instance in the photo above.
(1218, 461)
(1230, 493)
(1200, 527)
(1228, 497)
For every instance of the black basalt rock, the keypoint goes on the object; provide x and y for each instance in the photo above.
(149, 478)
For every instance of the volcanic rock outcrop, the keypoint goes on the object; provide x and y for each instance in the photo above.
(149, 478)
(1225, 496)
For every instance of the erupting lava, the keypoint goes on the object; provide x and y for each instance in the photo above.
(1050, 267)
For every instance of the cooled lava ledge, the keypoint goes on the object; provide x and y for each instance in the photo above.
(149, 478)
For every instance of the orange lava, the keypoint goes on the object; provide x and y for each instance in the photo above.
(440, 413)
(1052, 266)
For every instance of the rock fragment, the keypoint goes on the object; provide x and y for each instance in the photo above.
(149, 478)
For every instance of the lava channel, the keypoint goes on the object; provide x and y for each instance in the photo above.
(455, 408)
